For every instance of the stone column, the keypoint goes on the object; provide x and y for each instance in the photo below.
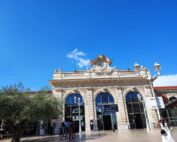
(151, 113)
(95, 115)
(89, 111)
(121, 115)
(87, 119)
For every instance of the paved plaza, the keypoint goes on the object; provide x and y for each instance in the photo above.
(105, 136)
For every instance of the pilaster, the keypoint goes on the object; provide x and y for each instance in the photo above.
(121, 114)
(89, 109)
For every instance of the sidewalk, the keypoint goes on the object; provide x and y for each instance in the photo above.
(105, 136)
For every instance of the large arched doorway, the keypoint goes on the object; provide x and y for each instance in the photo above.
(105, 120)
(74, 110)
(136, 110)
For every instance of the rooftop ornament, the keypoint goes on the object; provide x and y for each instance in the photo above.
(146, 73)
(100, 59)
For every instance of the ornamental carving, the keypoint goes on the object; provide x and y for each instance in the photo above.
(101, 65)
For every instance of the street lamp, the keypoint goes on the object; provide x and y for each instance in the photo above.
(78, 101)
(157, 68)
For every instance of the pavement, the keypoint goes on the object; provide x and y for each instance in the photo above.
(104, 136)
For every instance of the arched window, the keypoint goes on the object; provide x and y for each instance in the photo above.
(104, 98)
(171, 99)
(74, 110)
(135, 109)
(72, 99)
(105, 120)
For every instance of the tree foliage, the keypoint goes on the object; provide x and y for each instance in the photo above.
(12, 104)
(18, 105)
(44, 107)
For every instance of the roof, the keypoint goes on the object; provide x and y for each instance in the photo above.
(163, 91)
(165, 88)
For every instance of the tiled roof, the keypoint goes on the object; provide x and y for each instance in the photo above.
(165, 88)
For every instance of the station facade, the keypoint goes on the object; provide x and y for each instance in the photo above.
(105, 97)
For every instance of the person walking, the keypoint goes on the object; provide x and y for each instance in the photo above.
(165, 131)
(2, 129)
(63, 128)
(71, 134)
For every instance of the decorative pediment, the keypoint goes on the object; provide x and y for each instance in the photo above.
(100, 60)
(101, 65)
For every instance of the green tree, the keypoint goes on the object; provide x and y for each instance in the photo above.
(17, 106)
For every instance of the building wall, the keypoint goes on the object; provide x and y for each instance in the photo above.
(104, 78)
(119, 94)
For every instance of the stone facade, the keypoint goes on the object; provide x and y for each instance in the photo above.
(104, 78)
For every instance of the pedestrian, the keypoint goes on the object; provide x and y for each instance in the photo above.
(42, 128)
(113, 128)
(54, 131)
(71, 134)
(2, 129)
(74, 128)
(63, 128)
(67, 126)
(91, 124)
(165, 131)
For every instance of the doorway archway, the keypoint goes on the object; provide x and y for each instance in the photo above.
(105, 120)
(136, 110)
(72, 112)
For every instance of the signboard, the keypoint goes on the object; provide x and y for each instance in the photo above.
(151, 102)
(111, 108)
(77, 118)
(154, 102)
(108, 108)
(160, 102)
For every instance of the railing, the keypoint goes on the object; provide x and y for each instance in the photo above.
(87, 74)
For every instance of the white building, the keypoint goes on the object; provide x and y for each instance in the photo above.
(92, 96)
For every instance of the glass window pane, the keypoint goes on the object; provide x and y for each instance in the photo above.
(104, 98)
(135, 109)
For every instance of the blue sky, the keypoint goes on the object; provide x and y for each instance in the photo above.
(37, 35)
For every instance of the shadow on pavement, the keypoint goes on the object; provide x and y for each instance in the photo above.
(78, 138)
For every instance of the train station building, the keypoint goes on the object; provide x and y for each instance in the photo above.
(105, 97)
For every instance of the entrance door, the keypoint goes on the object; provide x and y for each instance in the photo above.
(104, 122)
(138, 121)
(107, 122)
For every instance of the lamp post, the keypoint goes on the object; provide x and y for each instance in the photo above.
(157, 69)
(79, 103)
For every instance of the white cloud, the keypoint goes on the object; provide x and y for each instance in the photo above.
(78, 57)
(75, 54)
(166, 80)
